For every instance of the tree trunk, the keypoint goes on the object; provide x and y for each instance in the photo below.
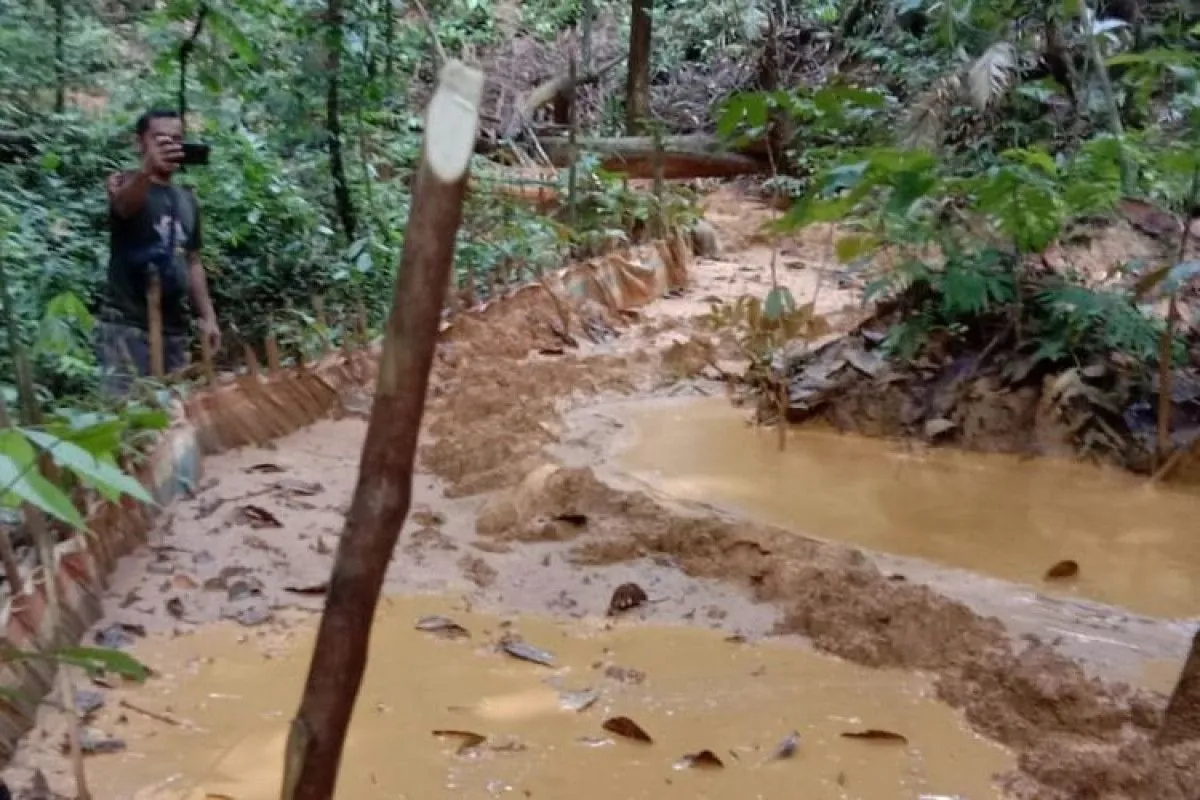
(637, 92)
(587, 10)
(389, 46)
(333, 123)
(1181, 722)
(60, 67)
(384, 489)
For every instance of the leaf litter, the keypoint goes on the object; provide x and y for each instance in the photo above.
(1063, 569)
(624, 726)
(876, 735)
(705, 759)
(442, 626)
(522, 650)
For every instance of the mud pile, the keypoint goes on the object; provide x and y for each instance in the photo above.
(1077, 737)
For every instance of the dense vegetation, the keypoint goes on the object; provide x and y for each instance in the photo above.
(906, 115)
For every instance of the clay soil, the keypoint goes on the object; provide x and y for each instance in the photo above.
(501, 519)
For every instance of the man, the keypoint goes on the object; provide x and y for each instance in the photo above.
(155, 226)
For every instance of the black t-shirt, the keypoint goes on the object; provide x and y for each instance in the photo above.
(138, 240)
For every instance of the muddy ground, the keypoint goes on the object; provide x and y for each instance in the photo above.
(518, 510)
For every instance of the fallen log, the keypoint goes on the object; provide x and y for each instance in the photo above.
(692, 156)
(551, 89)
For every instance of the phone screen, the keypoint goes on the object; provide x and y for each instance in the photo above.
(195, 154)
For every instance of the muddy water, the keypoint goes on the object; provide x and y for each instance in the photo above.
(234, 697)
(1137, 547)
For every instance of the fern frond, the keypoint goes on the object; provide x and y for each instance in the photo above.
(992, 74)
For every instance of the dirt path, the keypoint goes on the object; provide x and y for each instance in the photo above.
(519, 510)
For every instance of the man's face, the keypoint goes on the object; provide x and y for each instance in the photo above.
(168, 127)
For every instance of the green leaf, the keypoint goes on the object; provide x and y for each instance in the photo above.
(779, 302)
(851, 247)
(20, 481)
(102, 658)
(102, 475)
(228, 31)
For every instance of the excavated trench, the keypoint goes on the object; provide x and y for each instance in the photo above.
(549, 481)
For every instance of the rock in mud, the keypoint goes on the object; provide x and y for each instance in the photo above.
(704, 240)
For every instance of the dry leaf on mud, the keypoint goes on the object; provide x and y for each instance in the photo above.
(467, 739)
(175, 608)
(625, 597)
(787, 748)
(299, 488)
(1063, 569)
(876, 735)
(624, 726)
(265, 468)
(258, 517)
(518, 648)
(442, 626)
(705, 759)
(313, 590)
(578, 701)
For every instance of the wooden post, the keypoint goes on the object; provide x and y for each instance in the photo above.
(154, 315)
(384, 490)
(1181, 721)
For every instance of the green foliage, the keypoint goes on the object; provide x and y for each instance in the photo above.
(85, 447)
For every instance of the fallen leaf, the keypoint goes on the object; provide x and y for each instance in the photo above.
(88, 701)
(258, 517)
(705, 759)
(467, 739)
(442, 626)
(787, 748)
(578, 701)
(624, 726)
(119, 634)
(625, 597)
(313, 590)
(184, 581)
(175, 608)
(527, 652)
(936, 427)
(265, 468)
(1063, 569)
(876, 735)
(299, 488)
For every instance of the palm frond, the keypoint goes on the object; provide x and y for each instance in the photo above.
(992, 74)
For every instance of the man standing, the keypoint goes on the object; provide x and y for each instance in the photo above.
(155, 226)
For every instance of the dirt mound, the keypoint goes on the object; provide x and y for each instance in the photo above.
(1035, 700)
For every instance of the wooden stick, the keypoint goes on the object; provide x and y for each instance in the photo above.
(154, 315)
(384, 491)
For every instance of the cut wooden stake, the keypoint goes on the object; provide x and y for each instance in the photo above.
(384, 490)
(1181, 721)
(154, 315)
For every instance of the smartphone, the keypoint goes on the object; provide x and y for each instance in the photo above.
(195, 154)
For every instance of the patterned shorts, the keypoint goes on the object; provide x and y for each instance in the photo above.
(124, 354)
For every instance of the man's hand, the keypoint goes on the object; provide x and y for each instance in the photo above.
(162, 154)
(211, 333)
